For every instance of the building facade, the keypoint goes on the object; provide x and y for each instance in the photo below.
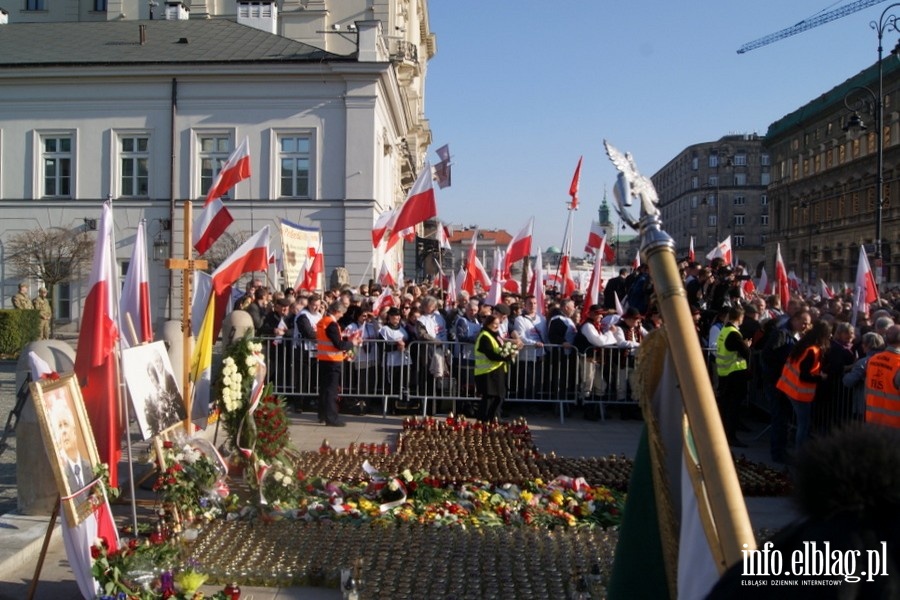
(102, 102)
(713, 190)
(824, 181)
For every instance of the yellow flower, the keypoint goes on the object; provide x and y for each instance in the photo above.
(526, 496)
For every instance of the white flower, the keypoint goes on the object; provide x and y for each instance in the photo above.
(287, 481)
(256, 347)
(229, 362)
(237, 378)
(227, 380)
(278, 475)
(406, 475)
(250, 361)
(393, 485)
(226, 394)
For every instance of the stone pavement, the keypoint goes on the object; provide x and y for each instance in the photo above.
(577, 437)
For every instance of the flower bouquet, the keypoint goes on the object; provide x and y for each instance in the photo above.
(509, 351)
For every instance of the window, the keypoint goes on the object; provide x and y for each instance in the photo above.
(739, 220)
(739, 200)
(214, 151)
(764, 220)
(740, 179)
(57, 161)
(711, 200)
(713, 160)
(100, 5)
(695, 182)
(695, 202)
(35, 5)
(764, 159)
(293, 155)
(763, 200)
(695, 163)
(738, 241)
(711, 220)
(764, 178)
(740, 160)
(713, 180)
(134, 156)
(62, 301)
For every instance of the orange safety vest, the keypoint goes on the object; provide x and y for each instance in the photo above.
(790, 382)
(882, 398)
(325, 350)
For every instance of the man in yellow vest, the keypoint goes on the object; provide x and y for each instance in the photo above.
(883, 382)
(330, 352)
(732, 356)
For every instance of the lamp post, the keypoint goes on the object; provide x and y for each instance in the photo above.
(876, 109)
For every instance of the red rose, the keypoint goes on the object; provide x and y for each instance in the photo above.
(168, 444)
(95, 552)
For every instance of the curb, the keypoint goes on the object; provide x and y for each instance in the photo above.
(23, 537)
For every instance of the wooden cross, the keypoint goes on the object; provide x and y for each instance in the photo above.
(187, 265)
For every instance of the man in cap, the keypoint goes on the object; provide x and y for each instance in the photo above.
(42, 304)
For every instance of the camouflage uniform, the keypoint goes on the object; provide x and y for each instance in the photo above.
(22, 301)
(42, 303)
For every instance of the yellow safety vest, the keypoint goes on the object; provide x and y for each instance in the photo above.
(728, 361)
(483, 364)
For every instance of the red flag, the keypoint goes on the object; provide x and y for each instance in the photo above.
(134, 305)
(471, 273)
(781, 279)
(691, 256)
(315, 269)
(420, 204)
(595, 286)
(748, 288)
(95, 362)
(214, 219)
(597, 239)
(565, 274)
(384, 275)
(253, 255)
(519, 248)
(573, 187)
(866, 291)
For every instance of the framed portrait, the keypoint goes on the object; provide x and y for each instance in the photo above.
(153, 389)
(69, 442)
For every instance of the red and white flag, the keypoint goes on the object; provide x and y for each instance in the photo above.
(134, 305)
(722, 250)
(420, 204)
(536, 288)
(95, 361)
(824, 290)
(747, 288)
(451, 290)
(460, 280)
(314, 268)
(620, 310)
(866, 290)
(386, 298)
(565, 276)
(385, 278)
(253, 255)
(519, 248)
(595, 285)
(637, 260)
(691, 255)
(471, 273)
(573, 187)
(495, 292)
(793, 282)
(481, 275)
(597, 239)
(763, 283)
(381, 226)
(214, 218)
(443, 237)
(781, 279)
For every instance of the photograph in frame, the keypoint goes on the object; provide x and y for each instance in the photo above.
(69, 442)
(153, 389)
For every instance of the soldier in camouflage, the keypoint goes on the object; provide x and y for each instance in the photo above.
(42, 304)
(21, 299)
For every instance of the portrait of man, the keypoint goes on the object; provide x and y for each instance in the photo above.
(154, 392)
(71, 450)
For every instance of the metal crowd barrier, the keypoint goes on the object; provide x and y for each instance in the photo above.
(438, 377)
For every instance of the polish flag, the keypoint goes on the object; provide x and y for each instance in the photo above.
(763, 283)
(781, 279)
(300, 282)
(595, 285)
(381, 226)
(420, 204)
(443, 237)
(620, 310)
(637, 260)
(565, 276)
(214, 219)
(385, 278)
(481, 275)
(471, 272)
(722, 250)
(459, 280)
(597, 239)
(451, 291)
(747, 288)
(386, 298)
(824, 290)
(519, 248)
(495, 292)
(253, 255)
(793, 282)
(315, 269)
(691, 255)
(134, 305)
(573, 187)
(95, 361)
(537, 284)
(866, 290)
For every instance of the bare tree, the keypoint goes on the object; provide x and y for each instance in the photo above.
(52, 256)
(223, 248)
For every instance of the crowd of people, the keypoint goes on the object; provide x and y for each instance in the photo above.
(803, 363)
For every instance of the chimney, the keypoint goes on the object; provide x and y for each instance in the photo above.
(177, 11)
(370, 46)
(142, 34)
(262, 15)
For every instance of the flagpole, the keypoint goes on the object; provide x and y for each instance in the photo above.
(564, 250)
(120, 383)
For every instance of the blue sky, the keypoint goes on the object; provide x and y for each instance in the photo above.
(521, 89)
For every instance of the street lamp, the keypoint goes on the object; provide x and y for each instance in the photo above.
(874, 105)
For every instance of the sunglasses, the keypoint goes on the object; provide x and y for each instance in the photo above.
(405, 307)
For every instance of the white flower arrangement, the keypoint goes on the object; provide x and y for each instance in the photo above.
(509, 350)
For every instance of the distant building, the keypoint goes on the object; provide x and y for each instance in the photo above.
(713, 190)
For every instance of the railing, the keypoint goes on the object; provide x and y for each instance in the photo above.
(438, 377)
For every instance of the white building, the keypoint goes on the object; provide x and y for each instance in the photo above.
(104, 102)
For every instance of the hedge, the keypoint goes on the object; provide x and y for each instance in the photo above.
(17, 328)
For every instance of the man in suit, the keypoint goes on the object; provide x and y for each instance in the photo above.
(76, 469)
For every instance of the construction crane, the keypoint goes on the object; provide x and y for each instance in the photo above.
(809, 24)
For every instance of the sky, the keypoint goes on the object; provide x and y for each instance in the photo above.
(520, 90)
